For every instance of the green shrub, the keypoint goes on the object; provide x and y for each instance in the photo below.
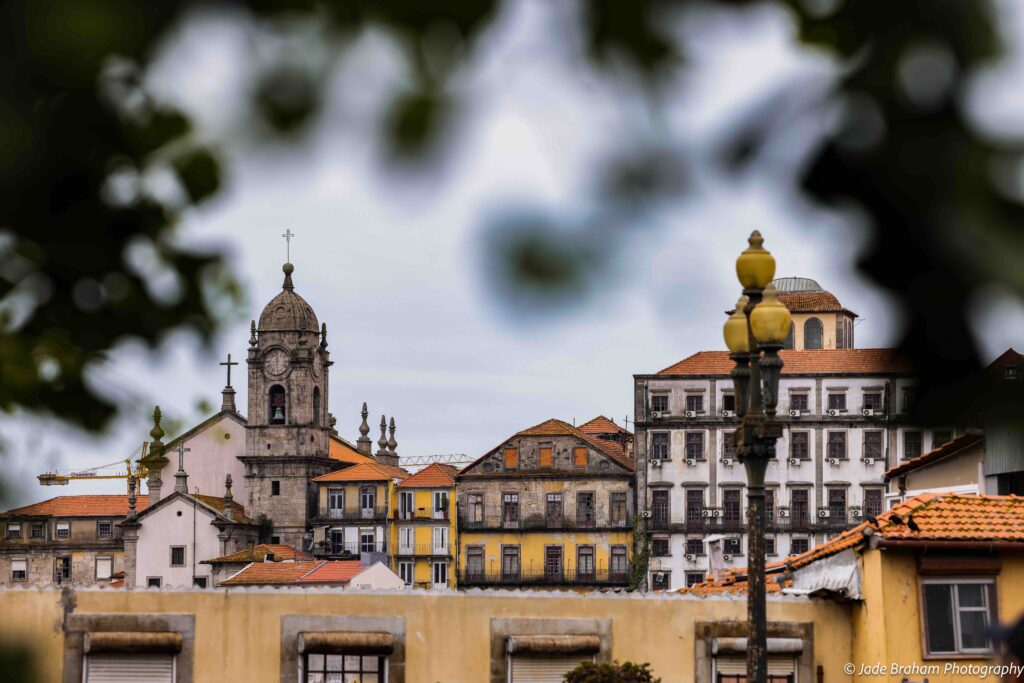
(627, 672)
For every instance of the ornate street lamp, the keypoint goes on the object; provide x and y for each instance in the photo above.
(754, 334)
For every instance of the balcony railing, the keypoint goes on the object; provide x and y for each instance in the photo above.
(355, 513)
(717, 520)
(351, 549)
(424, 550)
(495, 521)
(421, 515)
(598, 577)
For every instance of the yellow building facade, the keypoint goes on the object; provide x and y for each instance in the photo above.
(424, 531)
(355, 508)
(549, 507)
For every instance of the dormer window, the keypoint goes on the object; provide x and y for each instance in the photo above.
(277, 405)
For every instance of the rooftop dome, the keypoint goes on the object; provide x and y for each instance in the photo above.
(796, 284)
(288, 312)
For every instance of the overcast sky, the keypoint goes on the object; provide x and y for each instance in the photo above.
(394, 266)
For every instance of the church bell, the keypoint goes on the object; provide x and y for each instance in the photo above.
(278, 413)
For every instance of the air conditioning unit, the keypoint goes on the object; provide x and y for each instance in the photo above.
(783, 512)
(868, 412)
(716, 513)
(705, 513)
(824, 513)
(855, 512)
(728, 413)
(726, 557)
(646, 514)
(727, 462)
(689, 557)
(691, 462)
(833, 412)
(833, 461)
(690, 413)
(869, 461)
(795, 412)
(794, 461)
(658, 414)
(656, 463)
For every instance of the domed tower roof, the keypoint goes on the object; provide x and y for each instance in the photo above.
(288, 312)
(804, 295)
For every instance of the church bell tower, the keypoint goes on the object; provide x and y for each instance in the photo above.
(288, 430)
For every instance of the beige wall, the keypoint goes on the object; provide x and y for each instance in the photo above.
(238, 633)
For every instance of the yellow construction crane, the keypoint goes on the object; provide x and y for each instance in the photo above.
(64, 477)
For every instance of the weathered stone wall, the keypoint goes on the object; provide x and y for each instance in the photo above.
(41, 564)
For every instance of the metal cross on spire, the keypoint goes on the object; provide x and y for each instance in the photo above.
(228, 363)
(288, 235)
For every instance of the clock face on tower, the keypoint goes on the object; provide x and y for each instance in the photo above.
(275, 363)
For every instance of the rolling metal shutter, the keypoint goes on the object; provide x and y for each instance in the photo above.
(124, 668)
(778, 665)
(522, 669)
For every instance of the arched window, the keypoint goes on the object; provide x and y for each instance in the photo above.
(276, 405)
(788, 344)
(812, 334)
(316, 405)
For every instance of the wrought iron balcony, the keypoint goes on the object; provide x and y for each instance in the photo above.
(354, 513)
(497, 522)
(424, 550)
(348, 550)
(718, 520)
(598, 577)
(420, 515)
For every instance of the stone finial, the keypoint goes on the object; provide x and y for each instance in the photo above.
(392, 444)
(383, 440)
(156, 447)
(131, 496)
(229, 511)
(323, 335)
(288, 270)
(180, 477)
(252, 333)
(363, 443)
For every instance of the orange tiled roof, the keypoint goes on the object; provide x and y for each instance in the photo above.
(802, 362)
(940, 517)
(733, 586)
(220, 505)
(811, 302)
(435, 475)
(334, 571)
(558, 428)
(81, 506)
(297, 572)
(602, 425)
(260, 552)
(960, 443)
(365, 471)
(342, 451)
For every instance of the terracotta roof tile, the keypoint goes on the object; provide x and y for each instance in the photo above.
(365, 471)
(802, 362)
(343, 451)
(81, 506)
(296, 573)
(220, 505)
(811, 302)
(260, 552)
(558, 428)
(940, 517)
(602, 425)
(960, 443)
(435, 475)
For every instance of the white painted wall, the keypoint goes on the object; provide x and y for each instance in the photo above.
(377, 575)
(176, 523)
(213, 454)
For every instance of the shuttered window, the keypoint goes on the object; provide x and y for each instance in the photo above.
(124, 668)
(545, 456)
(781, 669)
(523, 669)
(580, 457)
(511, 458)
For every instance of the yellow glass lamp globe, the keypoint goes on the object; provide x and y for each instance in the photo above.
(770, 320)
(755, 267)
(735, 330)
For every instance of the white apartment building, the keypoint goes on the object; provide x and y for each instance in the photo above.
(845, 422)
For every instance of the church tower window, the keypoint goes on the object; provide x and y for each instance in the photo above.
(277, 405)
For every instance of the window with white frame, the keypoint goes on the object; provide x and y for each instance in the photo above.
(406, 504)
(407, 572)
(335, 667)
(63, 530)
(659, 403)
(439, 574)
(14, 530)
(957, 615)
(19, 569)
(440, 504)
(336, 502)
(440, 540)
(367, 541)
(405, 540)
(104, 528)
(104, 567)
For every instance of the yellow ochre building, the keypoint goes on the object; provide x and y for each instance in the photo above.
(424, 528)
